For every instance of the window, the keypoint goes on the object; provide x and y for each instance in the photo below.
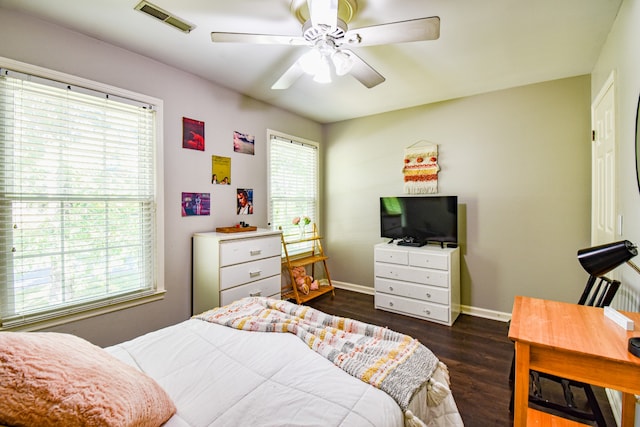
(78, 222)
(293, 183)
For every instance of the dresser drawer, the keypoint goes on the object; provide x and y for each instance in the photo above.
(425, 276)
(412, 307)
(429, 260)
(243, 250)
(392, 256)
(269, 287)
(411, 290)
(239, 274)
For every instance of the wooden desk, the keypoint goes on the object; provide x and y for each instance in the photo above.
(576, 342)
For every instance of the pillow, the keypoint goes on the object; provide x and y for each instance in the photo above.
(49, 378)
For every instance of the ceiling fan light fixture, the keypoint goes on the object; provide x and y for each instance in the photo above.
(323, 72)
(310, 61)
(325, 31)
(342, 61)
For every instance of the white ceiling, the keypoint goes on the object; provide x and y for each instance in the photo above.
(483, 46)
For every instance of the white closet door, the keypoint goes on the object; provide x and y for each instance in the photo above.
(603, 210)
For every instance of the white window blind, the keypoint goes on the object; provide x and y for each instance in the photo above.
(77, 199)
(293, 184)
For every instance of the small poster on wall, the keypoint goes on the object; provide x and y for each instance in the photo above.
(196, 204)
(245, 201)
(243, 143)
(192, 134)
(220, 170)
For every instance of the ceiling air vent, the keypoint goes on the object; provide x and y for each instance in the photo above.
(164, 16)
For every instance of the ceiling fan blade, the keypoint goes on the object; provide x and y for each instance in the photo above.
(323, 13)
(364, 72)
(289, 77)
(219, 37)
(395, 32)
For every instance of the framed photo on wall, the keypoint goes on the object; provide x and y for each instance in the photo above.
(192, 134)
(245, 201)
(220, 170)
(196, 204)
(243, 143)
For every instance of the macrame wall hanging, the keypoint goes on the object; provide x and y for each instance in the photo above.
(421, 168)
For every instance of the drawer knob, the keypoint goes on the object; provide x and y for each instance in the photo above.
(255, 294)
(391, 304)
(428, 312)
(255, 252)
(428, 295)
(391, 288)
(254, 273)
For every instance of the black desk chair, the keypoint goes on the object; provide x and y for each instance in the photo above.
(596, 295)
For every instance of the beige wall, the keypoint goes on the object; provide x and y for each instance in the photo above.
(184, 95)
(621, 56)
(519, 161)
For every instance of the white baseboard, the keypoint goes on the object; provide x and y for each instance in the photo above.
(355, 288)
(487, 314)
(472, 311)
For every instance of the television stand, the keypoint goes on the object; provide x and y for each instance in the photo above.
(420, 282)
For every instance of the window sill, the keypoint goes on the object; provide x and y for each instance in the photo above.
(35, 325)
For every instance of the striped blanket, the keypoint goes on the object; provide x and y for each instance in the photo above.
(395, 363)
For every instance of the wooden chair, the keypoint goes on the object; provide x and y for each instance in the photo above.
(598, 292)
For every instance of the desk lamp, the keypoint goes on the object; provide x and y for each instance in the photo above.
(600, 260)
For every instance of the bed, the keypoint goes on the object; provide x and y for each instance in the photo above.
(217, 375)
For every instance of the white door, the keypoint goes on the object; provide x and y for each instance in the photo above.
(603, 167)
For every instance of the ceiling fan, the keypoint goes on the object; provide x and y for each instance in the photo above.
(325, 31)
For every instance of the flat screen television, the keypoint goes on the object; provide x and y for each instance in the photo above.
(419, 220)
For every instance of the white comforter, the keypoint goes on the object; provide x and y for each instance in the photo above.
(219, 376)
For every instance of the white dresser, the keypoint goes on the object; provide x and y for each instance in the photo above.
(421, 282)
(229, 266)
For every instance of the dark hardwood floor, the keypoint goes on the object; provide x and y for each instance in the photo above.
(476, 350)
